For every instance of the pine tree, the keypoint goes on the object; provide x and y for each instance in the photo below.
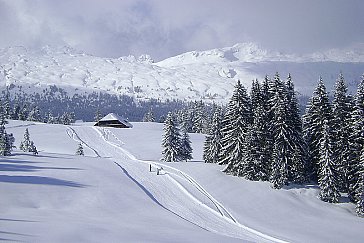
(356, 141)
(297, 161)
(149, 116)
(2, 145)
(67, 118)
(185, 149)
(257, 155)
(235, 128)
(34, 114)
(27, 145)
(281, 135)
(256, 95)
(212, 145)
(6, 105)
(50, 118)
(34, 150)
(327, 177)
(79, 150)
(171, 141)
(199, 117)
(318, 110)
(264, 90)
(3, 142)
(6, 140)
(16, 111)
(23, 114)
(341, 129)
(184, 120)
(360, 191)
(98, 115)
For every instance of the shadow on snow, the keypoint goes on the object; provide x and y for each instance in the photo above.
(30, 168)
(39, 180)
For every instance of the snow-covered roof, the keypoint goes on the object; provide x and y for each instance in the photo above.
(116, 117)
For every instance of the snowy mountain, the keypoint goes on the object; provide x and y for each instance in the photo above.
(111, 195)
(208, 75)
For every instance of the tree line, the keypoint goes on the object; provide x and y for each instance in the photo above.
(53, 103)
(262, 136)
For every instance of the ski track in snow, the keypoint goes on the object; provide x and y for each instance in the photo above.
(72, 134)
(222, 221)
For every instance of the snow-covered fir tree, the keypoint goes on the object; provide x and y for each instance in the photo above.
(149, 116)
(317, 112)
(298, 157)
(6, 140)
(16, 111)
(235, 129)
(327, 176)
(356, 141)
(256, 95)
(185, 149)
(79, 150)
(281, 133)
(67, 118)
(341, 129)
(360, 190)
(171, 142)
(50, 118)
(257, 154)
(198, 117)
(26, 144)
(184, 119)
(98, 115)
(23, 114)
(34, 114)
(6, 105)
(212, 145)
(264, 91)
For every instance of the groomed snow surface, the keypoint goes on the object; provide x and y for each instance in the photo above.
(110, 194)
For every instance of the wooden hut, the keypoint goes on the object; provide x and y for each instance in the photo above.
(113, 120)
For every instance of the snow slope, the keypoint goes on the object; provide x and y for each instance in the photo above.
(208, 75)
(110, 194)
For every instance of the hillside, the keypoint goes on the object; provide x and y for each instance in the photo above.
(111, 195)
(208, 75)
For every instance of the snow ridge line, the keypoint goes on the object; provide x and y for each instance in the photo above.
(102, 132)
(150, 195)
(221, 209)
(217, 204)
(193, 182)
(198, 188)
(72, 134)
(132, 157)
(182, 188)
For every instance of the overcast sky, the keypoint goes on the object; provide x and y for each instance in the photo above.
(164, 28)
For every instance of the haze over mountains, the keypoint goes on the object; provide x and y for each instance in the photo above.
(208, 75)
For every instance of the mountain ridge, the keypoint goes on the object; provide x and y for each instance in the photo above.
(208, 75)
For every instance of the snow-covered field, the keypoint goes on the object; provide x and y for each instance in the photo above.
(110, 195)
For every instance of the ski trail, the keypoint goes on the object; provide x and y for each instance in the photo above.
(150, 195)
(197, 185)
(219, 221)
(72, 134)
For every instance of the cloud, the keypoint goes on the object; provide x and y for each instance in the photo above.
(164, 28)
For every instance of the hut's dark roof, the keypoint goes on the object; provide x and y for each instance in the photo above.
(112, 118)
